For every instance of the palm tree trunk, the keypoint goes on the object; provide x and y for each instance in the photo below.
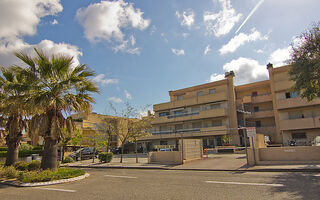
(49, 156)
(12, 153)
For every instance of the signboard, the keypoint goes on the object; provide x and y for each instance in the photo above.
(251, 131)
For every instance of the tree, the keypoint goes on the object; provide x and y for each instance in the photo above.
(14, 87)
(305, 63)
(59, 87)
(138, 128)
(107, 129)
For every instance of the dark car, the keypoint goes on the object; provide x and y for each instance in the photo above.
(86, 153)
(117, 150)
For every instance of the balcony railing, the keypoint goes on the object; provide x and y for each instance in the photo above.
(183, 115)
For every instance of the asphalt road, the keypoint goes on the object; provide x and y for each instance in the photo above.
(140, 184)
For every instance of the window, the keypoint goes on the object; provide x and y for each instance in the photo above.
(179, 97)
(254, 94)
(217, 123)
(200, 94)
(195, 109)
(162, 114)
(178, 126)
(215, 106)
(163, 142)
(256, 109)
(212, 91)
(258, 123)
(298, 135)
(295, 115)
(179, 112)
(164, 128)
(291, 95)
(196, 125)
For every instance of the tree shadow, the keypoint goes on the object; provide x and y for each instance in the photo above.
(303, 185)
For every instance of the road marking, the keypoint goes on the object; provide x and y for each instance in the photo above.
(56, 189)
(239, 183)
(114, 176)
(317, 175)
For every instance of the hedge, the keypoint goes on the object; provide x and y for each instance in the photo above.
(105, 157)
(24, 153)
(3, 148)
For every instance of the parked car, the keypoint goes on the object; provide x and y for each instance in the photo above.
(117, 150)
(86, 153)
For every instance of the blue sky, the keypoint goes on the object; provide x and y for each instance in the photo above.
(142, 49)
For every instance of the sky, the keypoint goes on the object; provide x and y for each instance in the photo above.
(142, 49)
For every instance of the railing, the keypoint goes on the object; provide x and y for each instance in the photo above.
(183, 115)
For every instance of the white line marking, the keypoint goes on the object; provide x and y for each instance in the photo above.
(237, 183)
(114, 176)
(56, 189)
(317, 175)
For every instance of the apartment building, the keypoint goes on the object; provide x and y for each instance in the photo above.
(212, 110)
(89, 125)
(296, 119)
(205, 111)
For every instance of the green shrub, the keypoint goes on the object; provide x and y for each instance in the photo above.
(3, 153)
(10, 172)
(3, 148)
(48, 175)
(26, 153)
(38, 148)
(24, 147)
(34, 165)
(68, 160)
(21, 166)
(105, 157)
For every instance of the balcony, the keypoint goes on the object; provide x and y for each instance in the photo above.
(262, 98)
(283, 85)
(262, 114)
(187, 133)
(221, 96)
(266, 130)
(220, 112)
(295, 102)
(301, 123)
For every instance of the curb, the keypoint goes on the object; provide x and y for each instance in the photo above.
(17, 184)
(195, 169)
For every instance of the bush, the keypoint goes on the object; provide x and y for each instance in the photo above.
(10, 172)
(38, 148)
(34, 165)
(26, 153)
(21, 166)
(1, 164)
(3, 148)
(68, 160)
(3, 153)
(24, 147)
(48, 175)
(105, 157)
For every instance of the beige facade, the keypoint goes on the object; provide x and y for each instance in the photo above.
(215, 109)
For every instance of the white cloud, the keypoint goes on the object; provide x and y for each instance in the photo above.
(259, 51)
(185, 35)
(115, 99)
(177, 52)
(127, 47)
(221, 23)
(106, 20)
(19, 18)
(207, 49)
(240, 40)
(153, 29)
(246, 70)
(100, 78)
(186, 18)
(127, 94)
(216, 77)
(54, 22)
(279, 56)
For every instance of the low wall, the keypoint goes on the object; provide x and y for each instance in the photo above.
(165, 157)
(285, 155)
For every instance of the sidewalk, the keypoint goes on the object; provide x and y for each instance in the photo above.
(214, 162)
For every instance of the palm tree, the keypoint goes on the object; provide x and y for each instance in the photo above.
(60, 88)
(14, 90)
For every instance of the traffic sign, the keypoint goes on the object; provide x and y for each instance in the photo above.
(251, 131)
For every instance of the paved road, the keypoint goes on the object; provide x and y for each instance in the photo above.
(170, 184)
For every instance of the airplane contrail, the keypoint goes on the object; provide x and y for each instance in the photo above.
(250, 14)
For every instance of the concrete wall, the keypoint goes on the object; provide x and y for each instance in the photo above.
(165, 157)
(192, 149)
(285, 155)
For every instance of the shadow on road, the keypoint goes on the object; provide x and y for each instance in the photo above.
(302, 185)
